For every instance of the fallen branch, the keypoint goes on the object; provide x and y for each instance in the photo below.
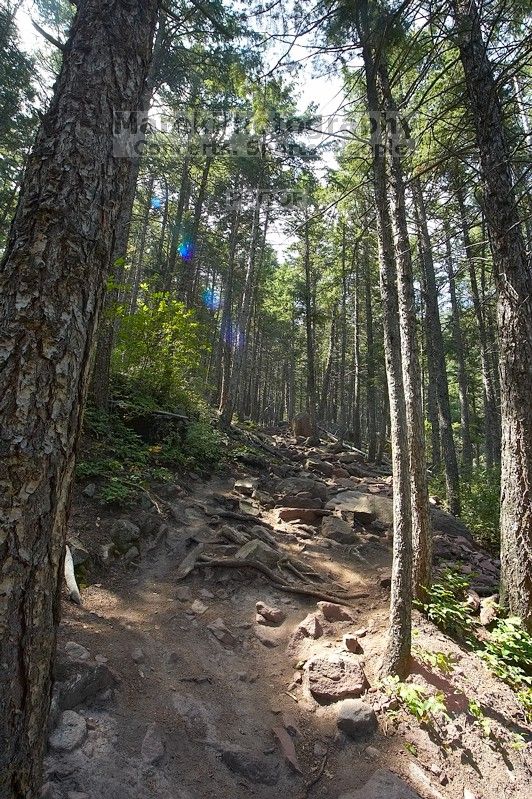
(236, 563)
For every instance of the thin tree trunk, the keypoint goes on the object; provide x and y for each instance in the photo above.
(52, 280)
(491, 420)
(397, 657)
(513, 276)
(465, 423)
(421, 524)
(450, 462)
(311, 373)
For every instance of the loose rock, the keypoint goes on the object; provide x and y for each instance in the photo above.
(338, 530)
(153, 747)
(383, 784)
(70, 733)
(335, 677)
(333, 612)
(269, 615)
(76, 651)
(356, 718)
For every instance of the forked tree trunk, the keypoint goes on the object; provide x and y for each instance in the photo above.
(51, 288)
(513, 276)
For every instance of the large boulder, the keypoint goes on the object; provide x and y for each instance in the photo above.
(79, 682)
(259, 551)
(70, 733)
(302, 426)
(366, 508)
(296, 485)
(304, 515)
(335, 677)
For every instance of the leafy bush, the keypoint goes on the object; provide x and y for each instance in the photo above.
(508, 654)
(416, 699)
(203, 444)
(445, 605)
(160, 345)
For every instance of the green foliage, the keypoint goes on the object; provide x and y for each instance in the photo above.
(203, 444)
(479, 497)
(445, 605)
(160, 345)
(480, 719)
(426, 707)
(436, 660)
(508, 654)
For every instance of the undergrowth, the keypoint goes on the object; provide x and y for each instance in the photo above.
(506, 648)
(479, 498)
(122, 463)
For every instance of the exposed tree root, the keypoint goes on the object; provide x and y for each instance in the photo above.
(236, 563)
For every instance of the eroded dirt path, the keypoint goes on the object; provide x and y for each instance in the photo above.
(200, 685)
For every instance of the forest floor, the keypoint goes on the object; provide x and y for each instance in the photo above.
(172, 685)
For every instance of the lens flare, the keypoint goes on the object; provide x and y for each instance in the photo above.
(186, 249)
(211, 299)
(156, 203)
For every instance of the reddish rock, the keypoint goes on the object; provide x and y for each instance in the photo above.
(269, 615)
(352, 644)
(335, 677)
(308, 629)
(334, 612)
(300, 502)
(339, 472)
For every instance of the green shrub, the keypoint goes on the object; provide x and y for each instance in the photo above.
(203, 444)
(446, 607)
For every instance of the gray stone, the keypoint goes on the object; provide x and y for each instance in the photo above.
(107, 551)
(338, 530)
(222, 633)
(302, 426)
(254, 768)
(258, 550)
(80, 554)
(365, 507)
(124, 533)
(153, 746)
(132, 554)
(356, 718)
(76, 651)
(295, 485)
(77, 795)
(70, 733)
(51, 791)
(80, 682)
(138, 655)
(90, 490)
(383, 784)
(247, 485)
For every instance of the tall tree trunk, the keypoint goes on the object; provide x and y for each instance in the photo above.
(52, 280)
(491, 419)
(421, 523)
(138, 272)
(371, 397)
(513, 276)
(450, 463)
(465, 423)
(311, 367)
(326, 385)
(396, 659)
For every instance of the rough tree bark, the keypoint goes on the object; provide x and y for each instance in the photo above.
(513, 277)
(51, 288)
(397, 656)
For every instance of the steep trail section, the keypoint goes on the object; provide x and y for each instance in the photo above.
(220, 684)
